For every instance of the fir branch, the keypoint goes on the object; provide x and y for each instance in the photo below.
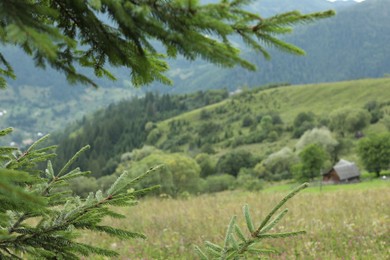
(72, 160)
(280, 204)
(274, 222)
(228, 237)
(233, 250)
(118, 232)
(200, 253)
(282, 235)
(36, 143)
(248, 219)
(6, 131)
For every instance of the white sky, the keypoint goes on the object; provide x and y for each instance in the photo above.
(346, 0)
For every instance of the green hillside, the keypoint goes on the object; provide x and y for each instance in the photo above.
(260, 121)
(287, 102)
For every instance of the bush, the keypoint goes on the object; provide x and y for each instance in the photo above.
(207, 165)
(247, 180)
(278, 165)
(179, 173)
(349, 120)
(374, 108)
(321, 136)
(303, 122)
(234, 160)
(153, 136)
(248, 121)
(220, 182)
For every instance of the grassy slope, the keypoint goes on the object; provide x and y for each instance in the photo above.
(320, 99)
(347, 222)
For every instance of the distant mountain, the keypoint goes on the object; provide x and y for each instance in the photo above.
(354, 44)
(182, 71)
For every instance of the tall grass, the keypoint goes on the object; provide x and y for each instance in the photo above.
(340, 224)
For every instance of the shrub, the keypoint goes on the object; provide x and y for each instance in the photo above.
(278, 165)
(321, 136)
(348, 120)
(247, 121)
(220, 182)
(303, 122)
(247, 180)
(179, 173)
(207, 165)
(234, 160)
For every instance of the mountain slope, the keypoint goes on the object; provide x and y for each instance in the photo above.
(260, 121)
(352, 45)
(28, 74)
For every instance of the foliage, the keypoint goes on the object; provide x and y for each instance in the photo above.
(39, 217)
(236, 245)
(373, 107)
(386, 121)
(119, 129)
(218, 182)
(278, 165)
(206, 164)
(247, 180)
(313, 159)
(321, 136)
(65, 34)
(180, 173)
(374, 152)
(233, 161)
(303, 121)
(348, 120)
(248, 120)
(293, 100)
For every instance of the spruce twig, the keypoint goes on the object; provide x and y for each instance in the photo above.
(59, 212)
(234, 250)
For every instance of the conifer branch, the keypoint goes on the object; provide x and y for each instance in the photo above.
(59, 213)
(232, 249)
(64, 34)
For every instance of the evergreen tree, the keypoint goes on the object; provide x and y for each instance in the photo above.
(98, 33)
(27, 193)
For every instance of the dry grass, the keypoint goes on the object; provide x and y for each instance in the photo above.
(341, 224)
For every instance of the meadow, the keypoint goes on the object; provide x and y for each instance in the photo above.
(342, 222)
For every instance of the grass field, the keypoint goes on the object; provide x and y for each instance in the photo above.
(342, 222)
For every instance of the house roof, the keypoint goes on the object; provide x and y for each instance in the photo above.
(346, 170)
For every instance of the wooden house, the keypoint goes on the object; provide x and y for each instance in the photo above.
(343, 172)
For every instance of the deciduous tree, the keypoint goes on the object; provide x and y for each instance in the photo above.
(313, 159)
(348, 120)
(374, 152)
